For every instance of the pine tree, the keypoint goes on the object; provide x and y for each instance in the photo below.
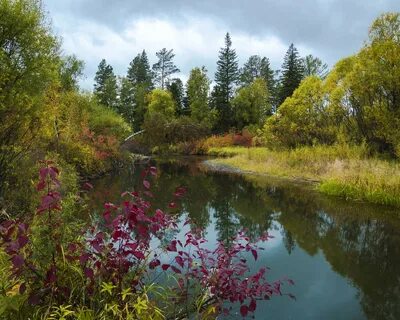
(105, 87)
(126, 100)
(165, 66)
(226, 78)
(139, 82)
(175, 86)
(291, 74)
(139, 71)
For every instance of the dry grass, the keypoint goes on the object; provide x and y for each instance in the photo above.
(339, 170)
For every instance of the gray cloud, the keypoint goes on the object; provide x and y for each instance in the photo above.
(329, 28)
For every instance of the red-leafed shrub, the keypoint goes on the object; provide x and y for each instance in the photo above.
(120, 267)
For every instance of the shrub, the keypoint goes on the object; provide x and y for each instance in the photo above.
(113, 268)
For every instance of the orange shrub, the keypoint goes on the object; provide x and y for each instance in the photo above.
(243, 139)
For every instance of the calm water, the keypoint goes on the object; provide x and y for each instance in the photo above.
(343, 256)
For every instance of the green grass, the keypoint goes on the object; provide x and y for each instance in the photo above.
(338, 170)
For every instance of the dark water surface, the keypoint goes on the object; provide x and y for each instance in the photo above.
(343, 256)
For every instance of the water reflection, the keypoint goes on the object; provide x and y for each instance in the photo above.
(344, 256)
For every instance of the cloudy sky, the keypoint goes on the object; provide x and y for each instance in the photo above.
(118, 29)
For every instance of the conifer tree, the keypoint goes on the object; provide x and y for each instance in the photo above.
(139, 82)
(257, 67)
(291, 74)
(127, 101)
(165, 67)
(226, 78)
(139, 71)
(175, 86)
(105, 87)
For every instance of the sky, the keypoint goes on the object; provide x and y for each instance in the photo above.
(117, 30)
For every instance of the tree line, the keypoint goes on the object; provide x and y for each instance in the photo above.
(304, 103)
(240, 97)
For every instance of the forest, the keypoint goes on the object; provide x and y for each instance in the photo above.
(337, 127)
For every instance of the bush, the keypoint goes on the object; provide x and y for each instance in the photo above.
(163, 133)
(243, 139)
(110, 270)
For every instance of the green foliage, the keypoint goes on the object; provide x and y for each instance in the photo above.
(71, 70)
(364, 89)
(251, 104)
(126, 103)
(291, 74)
(257, 67)
(134, 89)
(226, 77)
(197, 90)
(301, 119)
(24, 78)
(175, 86)
(162, 102)
(105, 87)
(163, 133)
(139, 71)
(314, 66)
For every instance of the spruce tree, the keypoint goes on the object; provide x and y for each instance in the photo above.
(126, 100)
(226, 78)
(165, 67)
(133, 94)
(139, 71)
(105, 87)
(175, 86)
(291, 74)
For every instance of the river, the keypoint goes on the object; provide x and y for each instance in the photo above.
(343, 256)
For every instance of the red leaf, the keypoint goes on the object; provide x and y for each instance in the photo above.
(165, 266)
(22, 240)
(41, 185)
(252, 305)
(51, 275)
(17, 261)
(146, 184)
(84, 258)
(89, 273)
(255, 254)
(175, 269)
(153, 171)
(87, 186)
(244, 310)
(179, 260)
(22, 288)
(172, 205)
(139, 255)
(154, 263)
(172, 246)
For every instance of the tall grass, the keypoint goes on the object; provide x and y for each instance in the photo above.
(339, 170)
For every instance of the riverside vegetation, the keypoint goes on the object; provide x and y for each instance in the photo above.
(339, 127)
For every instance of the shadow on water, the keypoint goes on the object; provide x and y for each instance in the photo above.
(344, 256)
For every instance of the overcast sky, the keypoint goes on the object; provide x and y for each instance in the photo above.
(119, 29)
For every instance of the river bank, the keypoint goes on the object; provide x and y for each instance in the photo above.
(338, 170)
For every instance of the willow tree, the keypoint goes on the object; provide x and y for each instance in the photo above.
(29, 66)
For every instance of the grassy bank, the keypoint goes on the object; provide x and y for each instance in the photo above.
(338, 170)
